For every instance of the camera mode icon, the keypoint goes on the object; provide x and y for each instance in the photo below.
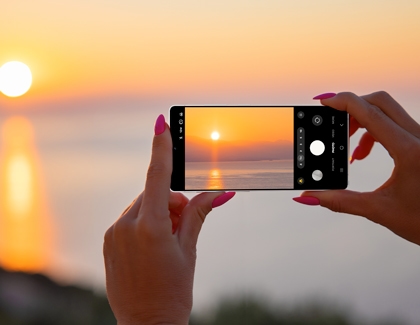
(317, 175)
(317, 120)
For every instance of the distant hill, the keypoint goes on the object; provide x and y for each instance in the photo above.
(34, 299)
(198, 149)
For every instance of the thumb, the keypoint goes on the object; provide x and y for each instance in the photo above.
(343, 201)
(195, 212)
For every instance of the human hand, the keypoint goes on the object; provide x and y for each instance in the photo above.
(395, 204)
(150, 251)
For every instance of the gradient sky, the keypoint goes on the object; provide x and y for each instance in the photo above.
(240, 124)
(104, 70)
(96, 48)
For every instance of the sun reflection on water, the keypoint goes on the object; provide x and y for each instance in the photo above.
(25, 236)
(19, 182)
(215, 181)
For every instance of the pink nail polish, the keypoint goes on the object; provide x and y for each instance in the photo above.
(222, 199)
(308, 200)
(160, 125)
(325, 96)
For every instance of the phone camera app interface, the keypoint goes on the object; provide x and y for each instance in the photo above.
(321, 148)
(259, 148)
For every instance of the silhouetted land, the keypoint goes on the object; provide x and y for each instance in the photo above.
(252, 310)
(34, 299)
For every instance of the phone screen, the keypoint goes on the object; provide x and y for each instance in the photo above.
(258, 148)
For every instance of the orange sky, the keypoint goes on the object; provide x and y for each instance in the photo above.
(94, 48)
(241, 123)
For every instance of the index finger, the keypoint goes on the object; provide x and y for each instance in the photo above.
(394, 138)
(158, 181)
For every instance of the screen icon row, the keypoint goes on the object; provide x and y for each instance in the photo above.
(300, 143)
(181, 122)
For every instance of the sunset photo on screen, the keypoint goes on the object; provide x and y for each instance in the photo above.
(238, 148)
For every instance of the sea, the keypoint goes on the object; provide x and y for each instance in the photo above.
(239, 175)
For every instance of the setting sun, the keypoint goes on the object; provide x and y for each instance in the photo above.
(15, 78)
(215, 135)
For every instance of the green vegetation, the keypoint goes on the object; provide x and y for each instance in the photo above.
(34, 299)
(256, 311)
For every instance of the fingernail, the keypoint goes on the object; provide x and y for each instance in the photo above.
(308, 200)
(325, 96)
(222, 199)
(160, 125)
(355, 154)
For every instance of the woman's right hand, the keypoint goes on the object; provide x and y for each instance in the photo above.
(396, 203)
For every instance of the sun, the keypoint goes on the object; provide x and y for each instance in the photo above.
(15, 78)
(215, 135)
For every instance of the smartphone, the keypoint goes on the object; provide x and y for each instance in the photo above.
(219, 148)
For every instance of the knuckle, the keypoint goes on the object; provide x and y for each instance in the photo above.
(108, 237)
(202, 213)
(109, 234)
(121, 229)
(373, 114)
(128, 207)
(147, 230)
(347, 96)
(382, 96)
(144, 228)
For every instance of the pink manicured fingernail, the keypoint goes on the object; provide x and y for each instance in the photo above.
(308, 200)
(160, 125)
(325, 96)
(222, 199)
(355, 154)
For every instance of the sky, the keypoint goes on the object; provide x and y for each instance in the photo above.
(91, 48)
(254, 124)
(104, 70)
(244, 133)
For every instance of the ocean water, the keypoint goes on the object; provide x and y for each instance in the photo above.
(231, 175)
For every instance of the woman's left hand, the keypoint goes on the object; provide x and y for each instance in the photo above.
(150, 251)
